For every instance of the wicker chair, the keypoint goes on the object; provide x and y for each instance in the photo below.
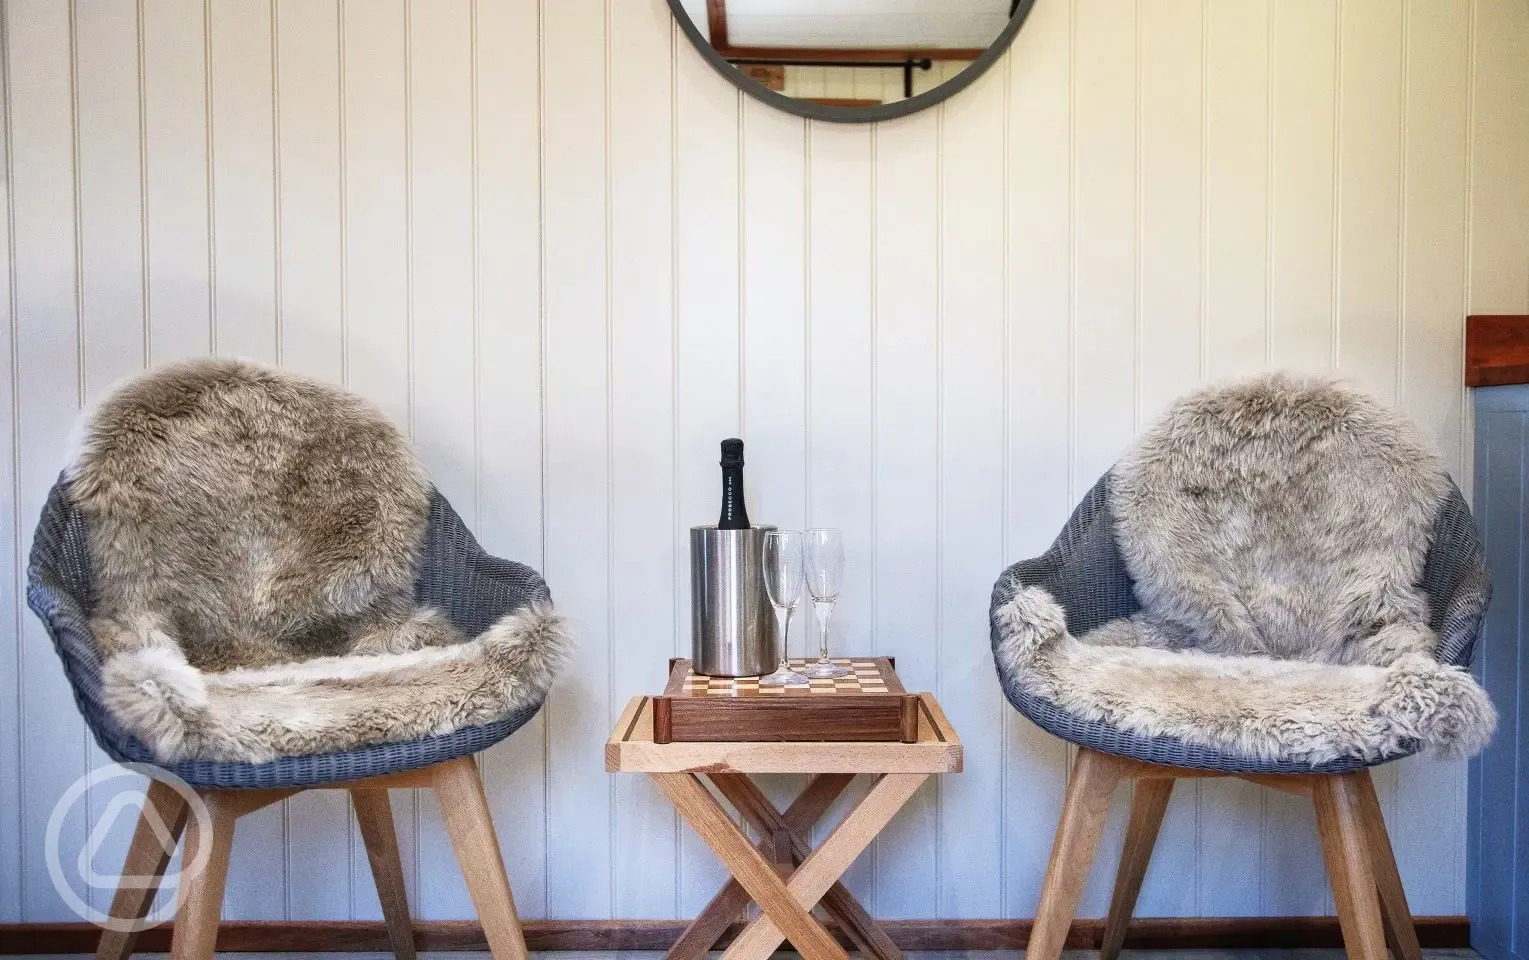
(1086, 575)
(457, 577)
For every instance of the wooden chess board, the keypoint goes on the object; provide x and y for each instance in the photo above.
(868, 704)
(866, 678)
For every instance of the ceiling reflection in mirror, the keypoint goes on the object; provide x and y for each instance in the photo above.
(849, 53)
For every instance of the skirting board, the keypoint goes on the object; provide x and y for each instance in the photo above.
(447, 935)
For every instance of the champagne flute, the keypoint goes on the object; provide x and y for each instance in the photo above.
(783, 582)
(825, 577)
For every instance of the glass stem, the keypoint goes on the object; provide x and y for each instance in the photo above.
(824, 609)
(785, 639)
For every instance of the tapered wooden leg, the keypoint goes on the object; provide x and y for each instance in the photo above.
(465, 808)
(1147, 809)
(154, 842)
(1345, 846)
(201, 890)
(1094, 776)
(374, 814)
(1401, 935)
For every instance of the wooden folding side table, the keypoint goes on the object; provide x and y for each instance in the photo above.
(783, 874)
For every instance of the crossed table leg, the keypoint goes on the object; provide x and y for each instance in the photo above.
(783, 874)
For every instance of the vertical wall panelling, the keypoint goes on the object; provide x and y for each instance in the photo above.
(906, 446)
(173, 50)
(1236, 185)
(443, 310)
(1236, 303)
(1303, 75)
(375, 182)
(644, 528)
(308, 165)
(110, 196)
(1038, 443)
(1303, 42)
(708, 357)
(1499, 172)
(1169, 253)
(375, 252)
(240, 79)
(14, 530)
(1172, 174)
(567, 257)
(1370, 136)
(970, 531)
(839, 393)
(577, 445)
(1105, 204)
(1105, 211)
(507, 175)
(47, 384)
(312, 319)
(1437, 62)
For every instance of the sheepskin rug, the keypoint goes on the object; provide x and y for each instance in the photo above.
(254, 538)
(1275, 531)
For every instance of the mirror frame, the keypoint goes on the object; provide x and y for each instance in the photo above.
(885, 111)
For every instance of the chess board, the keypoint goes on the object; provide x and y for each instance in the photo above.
(868, 704)
(866, 678)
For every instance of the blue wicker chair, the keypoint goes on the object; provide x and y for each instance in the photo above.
(456, 576)
(1086, 575)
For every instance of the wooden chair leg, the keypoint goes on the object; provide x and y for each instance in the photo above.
(163, 810)
(374, 814)
(1094, 776)
(1401, 935)
(1345, 846)
(465, 808)
(201, 890)
(1147, 808)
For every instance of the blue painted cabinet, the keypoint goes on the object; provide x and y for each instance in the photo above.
(1498, 834)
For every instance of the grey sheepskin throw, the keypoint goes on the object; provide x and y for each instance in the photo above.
(254, 538)
(1275, 531)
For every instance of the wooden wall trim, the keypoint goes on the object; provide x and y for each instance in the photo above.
(466, 935)
(1496, 350)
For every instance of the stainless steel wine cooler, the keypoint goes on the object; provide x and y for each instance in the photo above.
(732, 622)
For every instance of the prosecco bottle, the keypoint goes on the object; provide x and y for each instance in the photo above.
(735, 516)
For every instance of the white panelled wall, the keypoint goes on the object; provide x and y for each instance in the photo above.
(569, 259)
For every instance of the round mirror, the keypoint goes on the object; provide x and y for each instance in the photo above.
(851, 60)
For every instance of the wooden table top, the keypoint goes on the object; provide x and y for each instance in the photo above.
(630, 749)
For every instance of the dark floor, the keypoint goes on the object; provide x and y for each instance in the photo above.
(912, 955)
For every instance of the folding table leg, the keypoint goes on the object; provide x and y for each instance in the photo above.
(838, 902)
(718, 914)
(826, 864)
(696, 804)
